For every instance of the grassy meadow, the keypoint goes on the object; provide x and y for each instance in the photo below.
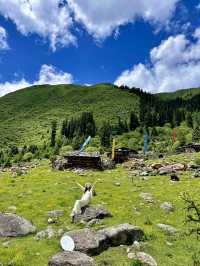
(44, 189)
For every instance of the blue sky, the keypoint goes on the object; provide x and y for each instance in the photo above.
(153, 44)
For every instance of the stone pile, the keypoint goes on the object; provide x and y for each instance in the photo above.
(137, 167)
(89, 242)
(19, 169)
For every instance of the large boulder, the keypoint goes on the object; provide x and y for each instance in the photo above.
(94, 242)
(168, 169)
(123, 234)
(92, 212)
(73, 258)
(179, 167)
(156, 166)
(89, 241)
(12, 225)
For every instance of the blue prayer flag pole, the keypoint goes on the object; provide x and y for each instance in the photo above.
(85, 143)
(146, 142)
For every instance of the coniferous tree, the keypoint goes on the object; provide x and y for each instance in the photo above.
(196, 134)
(13, 150)
(105, 135)
(189, 120)
(134, 123)
(53, 133)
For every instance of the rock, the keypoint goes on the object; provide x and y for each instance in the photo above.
(166, 170)
(143, 258)
(179, 167)
(60, 164)
(167, 206)
(94, 242)
(144, 173)
(136, 245)
(108, 164)
(169, 169)
(193, 166)
(134, 164)
(74, 258)
(124, 234)
(55, 213)
(147, 197)
(168, 229)
(196, 174)
(92, 212)
(88, 241)
(12, 225)
(40, 235)
(93, 222)
(156, 166)
(48, 233)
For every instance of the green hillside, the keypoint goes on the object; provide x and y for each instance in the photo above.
(184, 94)
(26, 115)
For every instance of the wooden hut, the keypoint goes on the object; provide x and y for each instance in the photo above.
(83, 160)
(124, 154)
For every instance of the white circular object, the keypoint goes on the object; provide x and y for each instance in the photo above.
(67, 243)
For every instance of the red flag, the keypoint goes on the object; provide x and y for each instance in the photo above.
(174, 135)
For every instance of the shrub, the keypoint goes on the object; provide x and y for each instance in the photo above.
(65, 149)
(28, 157)
(197, 160)
(91, 149)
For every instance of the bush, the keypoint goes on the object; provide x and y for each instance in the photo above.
(28, 157)
(65, 149)
(197, 160)
(91, 149)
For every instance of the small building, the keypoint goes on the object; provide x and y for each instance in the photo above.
(83, 160)
(193, 147)
(124, 154)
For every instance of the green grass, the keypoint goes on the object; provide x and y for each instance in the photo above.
(26, 115)
(44, 189)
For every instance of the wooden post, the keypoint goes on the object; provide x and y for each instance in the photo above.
(113, 150)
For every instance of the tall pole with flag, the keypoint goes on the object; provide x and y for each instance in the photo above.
(85, 143)
(174, 136)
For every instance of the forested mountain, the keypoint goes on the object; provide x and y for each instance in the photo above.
(26, 115)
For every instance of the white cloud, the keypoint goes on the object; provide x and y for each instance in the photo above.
(174, 65)
(48, 75)
(45, 18)
(102, 18)
(54, 19)
(3, 39)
